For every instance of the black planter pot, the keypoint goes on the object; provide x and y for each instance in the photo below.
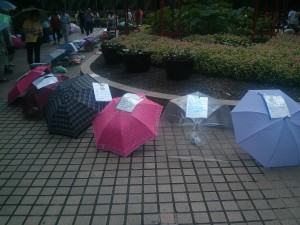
(111, 56)
(135, 63)
(179, 69)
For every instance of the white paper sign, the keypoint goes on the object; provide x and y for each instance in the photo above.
(276, 106)
(102, 92)
(128, 102)
(196, 107)
(45, 81)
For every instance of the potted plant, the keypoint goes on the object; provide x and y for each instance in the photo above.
(112, 52)
(136, 60)
(178, 64)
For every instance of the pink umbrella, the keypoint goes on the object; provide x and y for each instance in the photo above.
(24, 81)
(122, 132)
(36, 99)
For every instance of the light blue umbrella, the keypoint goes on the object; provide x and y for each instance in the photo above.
(272, 142)
(7, 6)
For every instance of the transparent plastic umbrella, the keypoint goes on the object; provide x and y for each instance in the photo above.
(218, 115)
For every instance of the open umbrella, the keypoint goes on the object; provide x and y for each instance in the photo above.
(122, 132)
(7, 6)
(218, 113)
(24, 81)
(24, 14)
(39, 92)
(273, 142)
(72, 106)
(61, 52)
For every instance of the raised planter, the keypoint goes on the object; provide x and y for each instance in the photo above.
(139, 62)
(111, 56)
(179, 69)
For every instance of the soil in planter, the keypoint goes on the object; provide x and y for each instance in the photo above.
(137, 63)
(111, 56)
(179, 69)
(156, 80)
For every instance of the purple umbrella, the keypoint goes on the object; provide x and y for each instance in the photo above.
(272, 142)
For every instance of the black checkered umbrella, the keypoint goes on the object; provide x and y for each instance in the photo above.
(72, 106)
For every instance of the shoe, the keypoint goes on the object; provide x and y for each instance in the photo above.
(3, 80)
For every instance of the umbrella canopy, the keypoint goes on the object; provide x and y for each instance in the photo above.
(61, 52)
(24, 81)
(24, 14)
(272, 142)
(72, 106)
(218, 114)
(7, 6)
(17, 42)
(122, 132)
(74, 28)
(4, 21)
(37, 96)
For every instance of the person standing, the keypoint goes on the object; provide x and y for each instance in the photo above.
(81, 20)
(89, 21)
(56, 27)
(46, 31)
(129, 15)
(76, 17)
(292, 19)
(5, 47)
(65, 26)
(111, 21)
(32, 29)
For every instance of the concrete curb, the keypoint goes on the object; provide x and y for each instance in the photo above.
(86, 69)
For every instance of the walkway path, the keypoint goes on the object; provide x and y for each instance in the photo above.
(50, 179)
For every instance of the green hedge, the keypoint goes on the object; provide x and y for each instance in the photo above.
(274, 62)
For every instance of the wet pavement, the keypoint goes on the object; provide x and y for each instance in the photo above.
(48, 179)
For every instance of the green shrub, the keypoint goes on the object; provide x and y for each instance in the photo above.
(275, 62)
(204, 19)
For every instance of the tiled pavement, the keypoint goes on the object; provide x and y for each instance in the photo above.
(50, 179)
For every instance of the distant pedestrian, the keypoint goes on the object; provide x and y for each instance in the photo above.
(292, 19)
(33, 30)
(46, 31)
(65, 26)
(56, 27)
(76, 17)
(81, 20)
(111, 21)
(4, 53)
(89, 21)
(129, 15)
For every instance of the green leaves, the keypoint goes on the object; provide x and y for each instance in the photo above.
(276, 61)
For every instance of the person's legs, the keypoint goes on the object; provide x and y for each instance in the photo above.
(29, 47)
(92, 28)
(2, 72)
(87, 29)
(53, 34)
(82, 28)
(67, 28)
(37, 52)
(65, 32)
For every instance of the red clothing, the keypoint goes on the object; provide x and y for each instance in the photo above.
(55, 23)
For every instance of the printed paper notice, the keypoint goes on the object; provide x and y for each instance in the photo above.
(276, 106)
(45, 81)
(102, 92)
(196, 107)
(128, 102)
